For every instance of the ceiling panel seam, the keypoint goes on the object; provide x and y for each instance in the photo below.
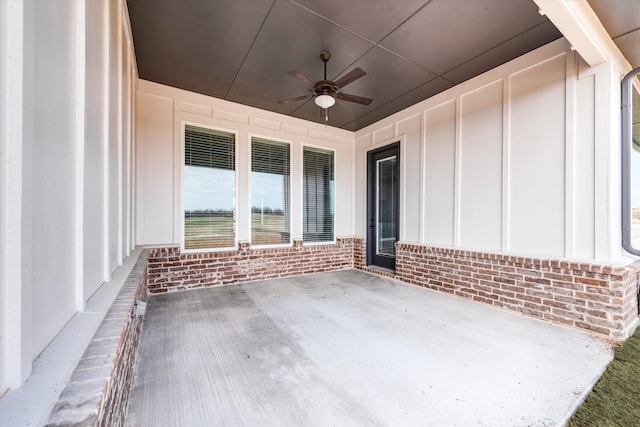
(313, 12)
(395, 29)
(484, 52)
(373, 43)
(253, 42)
(627, 33)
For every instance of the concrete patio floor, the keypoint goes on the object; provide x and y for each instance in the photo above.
(350, 348)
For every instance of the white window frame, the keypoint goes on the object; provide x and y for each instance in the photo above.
(183, 127)
(291, 188)
(301, 190)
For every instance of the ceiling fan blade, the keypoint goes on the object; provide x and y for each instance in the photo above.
(298, 75)
(296, 99)
(351, 76)
(354, 98)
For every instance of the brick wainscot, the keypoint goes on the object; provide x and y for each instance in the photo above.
(599, 299)
(171, 270)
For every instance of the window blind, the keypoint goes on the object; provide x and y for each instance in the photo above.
(209, 188)
(270, 192)
(318, 188)
(209, 148)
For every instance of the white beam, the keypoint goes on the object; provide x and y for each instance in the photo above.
(581, 27)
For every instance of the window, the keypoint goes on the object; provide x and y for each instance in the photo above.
(318, 189)
(209, 188)
(270, 182)
(635, 171)
(631, 163)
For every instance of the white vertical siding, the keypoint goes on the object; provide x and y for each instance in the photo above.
(70, 166)
(411, 153)
(360, 184)
(155, 169)
(15, 310)
(480, 204)
(52, 138)
(537, 159)
(584, 161)
(439, 177)
(509, 160)
(95, 143)
(115, 135)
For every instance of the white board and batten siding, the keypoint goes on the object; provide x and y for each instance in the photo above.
(506, 162)
(72, 73)
(163, 112)
(519, 160)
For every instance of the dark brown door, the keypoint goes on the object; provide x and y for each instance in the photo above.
(383, 173)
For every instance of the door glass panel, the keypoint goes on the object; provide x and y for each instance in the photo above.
(635, 170)
(386, 206)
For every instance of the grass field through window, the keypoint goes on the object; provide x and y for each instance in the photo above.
(212, 231)
(204, 232)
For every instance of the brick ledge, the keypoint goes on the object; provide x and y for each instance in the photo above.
(98, 391)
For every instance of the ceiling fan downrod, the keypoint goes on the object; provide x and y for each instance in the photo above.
(325, 56)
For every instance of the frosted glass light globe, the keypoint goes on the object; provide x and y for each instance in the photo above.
(325, 101)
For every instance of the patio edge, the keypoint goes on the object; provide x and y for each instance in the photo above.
(98, 391)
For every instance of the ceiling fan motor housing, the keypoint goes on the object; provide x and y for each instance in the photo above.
(325, 87)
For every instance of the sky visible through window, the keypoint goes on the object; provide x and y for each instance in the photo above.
(220, 185)
(266, 189)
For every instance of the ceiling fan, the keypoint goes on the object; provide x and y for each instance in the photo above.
(325, 91)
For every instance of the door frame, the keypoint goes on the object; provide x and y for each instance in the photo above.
(371, 206)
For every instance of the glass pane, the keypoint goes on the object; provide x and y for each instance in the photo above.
(209, 189)
(386, 206)
(635, 171)
(269, 192)
(318, 195)
(209, 208)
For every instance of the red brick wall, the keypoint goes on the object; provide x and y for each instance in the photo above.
(597, 298)
(171, 270)
(115, 400)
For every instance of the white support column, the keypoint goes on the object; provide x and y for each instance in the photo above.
(613, 118)
(15, 338)
(126, 248)
(606, 166)
(79, 155)
(132, 135)
(106, 270)
(119, 133)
